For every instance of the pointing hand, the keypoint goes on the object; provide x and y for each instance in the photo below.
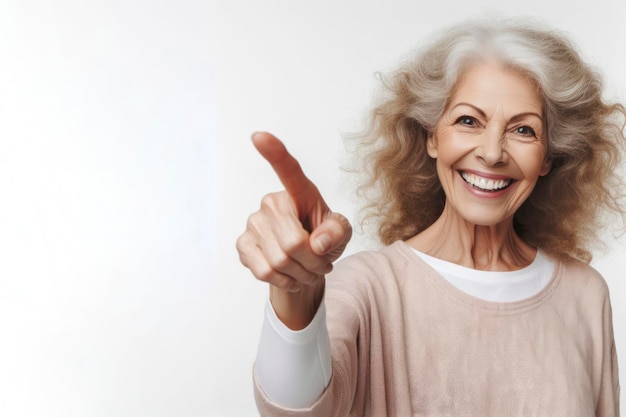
(293, 239)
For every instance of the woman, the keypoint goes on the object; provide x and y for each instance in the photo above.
(491, 159)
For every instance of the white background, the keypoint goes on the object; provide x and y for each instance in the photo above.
(126, 175)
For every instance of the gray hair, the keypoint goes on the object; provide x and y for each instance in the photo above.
(585, 136)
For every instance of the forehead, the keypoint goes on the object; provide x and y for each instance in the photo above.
(490, 84)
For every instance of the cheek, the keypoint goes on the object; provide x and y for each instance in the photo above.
(446, 163)
(451, 146)
(530, 158)
(534, 166)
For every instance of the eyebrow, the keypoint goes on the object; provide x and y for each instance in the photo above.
(484, 115)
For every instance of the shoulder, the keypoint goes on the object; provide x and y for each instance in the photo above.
(582, 275)
(397, 252)
(582, 282)
(375, 274)
(387, 261)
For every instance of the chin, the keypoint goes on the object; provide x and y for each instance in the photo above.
(484, 218)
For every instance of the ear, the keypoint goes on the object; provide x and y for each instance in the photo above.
(431, 145)
(546, 167)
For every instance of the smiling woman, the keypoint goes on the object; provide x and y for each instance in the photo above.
(488, 160)
(491, 159)
(582, 134)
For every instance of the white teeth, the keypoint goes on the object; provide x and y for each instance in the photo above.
(485, 184)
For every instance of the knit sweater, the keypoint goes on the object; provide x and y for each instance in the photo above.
(405, 342)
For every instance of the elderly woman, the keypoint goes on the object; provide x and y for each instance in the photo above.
(492, 158)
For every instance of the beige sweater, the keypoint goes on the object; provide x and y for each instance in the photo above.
(405, 342)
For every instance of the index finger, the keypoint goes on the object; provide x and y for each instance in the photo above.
(286, 167)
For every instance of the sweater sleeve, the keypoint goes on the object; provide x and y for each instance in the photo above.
(293, 367)
(608, 402)
(348, 358)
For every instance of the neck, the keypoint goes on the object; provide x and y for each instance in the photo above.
(489, 248)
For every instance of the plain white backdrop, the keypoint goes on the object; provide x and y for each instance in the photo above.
(126, 175)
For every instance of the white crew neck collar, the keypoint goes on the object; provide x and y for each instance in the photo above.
(496, 286)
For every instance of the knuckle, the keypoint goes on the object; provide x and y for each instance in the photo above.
(268, 201)
(279, 261)
(344, 223)
(253, 219)
(264, 273)
(348, 226)
(243, 246)
(241, 243)
(243, 260)
(295, 242)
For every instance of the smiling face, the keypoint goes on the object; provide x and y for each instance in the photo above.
(490, 144)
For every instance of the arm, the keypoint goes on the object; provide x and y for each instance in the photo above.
(608, 401)
(293, 368)
(348, 361)
(291, 243)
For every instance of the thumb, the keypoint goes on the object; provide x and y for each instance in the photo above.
(331, 236)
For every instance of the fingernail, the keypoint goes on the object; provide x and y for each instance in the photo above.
(321, 243)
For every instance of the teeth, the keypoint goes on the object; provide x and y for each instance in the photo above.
(485, 184)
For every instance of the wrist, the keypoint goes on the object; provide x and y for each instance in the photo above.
(297, 309)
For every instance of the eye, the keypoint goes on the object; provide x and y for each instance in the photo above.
(466, 121)
(525, 131)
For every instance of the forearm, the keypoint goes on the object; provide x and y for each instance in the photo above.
(294, 367)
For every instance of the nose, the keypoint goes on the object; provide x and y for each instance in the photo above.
(491, 148)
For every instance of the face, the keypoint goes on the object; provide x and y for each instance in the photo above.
(490, 145)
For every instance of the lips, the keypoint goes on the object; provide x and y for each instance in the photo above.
(486, 184)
